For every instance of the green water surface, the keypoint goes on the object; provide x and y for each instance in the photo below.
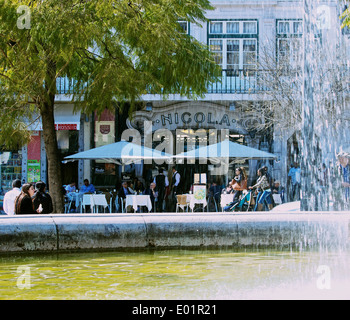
(176, 274)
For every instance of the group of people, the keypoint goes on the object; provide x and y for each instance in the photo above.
(161, 192)
(27, 199)
(264, 189)
(87, 187)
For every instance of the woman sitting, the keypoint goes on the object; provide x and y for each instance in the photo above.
(24, 203)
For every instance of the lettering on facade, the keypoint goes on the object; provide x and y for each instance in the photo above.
(187, 118)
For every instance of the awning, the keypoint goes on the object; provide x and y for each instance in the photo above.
(65, 119)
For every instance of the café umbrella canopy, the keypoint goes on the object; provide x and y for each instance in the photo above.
(122, 153)
(225, 150)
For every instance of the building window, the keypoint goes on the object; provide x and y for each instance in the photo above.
(10, 169)
(235, 55)
(235, 46)
(233, 27)
(185, 26)
(289, 44)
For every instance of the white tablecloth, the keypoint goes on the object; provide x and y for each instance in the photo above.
(226, 199)
(193, 201)
(76, 197)
(138, 200)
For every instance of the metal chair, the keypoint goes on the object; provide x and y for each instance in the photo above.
(211, 198)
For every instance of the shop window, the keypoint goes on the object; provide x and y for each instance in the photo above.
(10, 169)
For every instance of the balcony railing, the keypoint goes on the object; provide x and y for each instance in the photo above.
(232, 81)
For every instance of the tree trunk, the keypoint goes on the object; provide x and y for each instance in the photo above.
(50, 139)
(53, 160)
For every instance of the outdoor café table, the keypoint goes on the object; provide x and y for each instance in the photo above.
(193, 201)
(74, 196)
(225, 200)
(138, 200)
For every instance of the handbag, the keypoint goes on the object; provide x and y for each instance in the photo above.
(240, 186)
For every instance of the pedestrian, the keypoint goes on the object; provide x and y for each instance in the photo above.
(24, 203)
(269, 198)
(239, 183)
(161, 183)
(10, 196)
(41, 197)
(344, 172)
(263, 187)
(294, 175)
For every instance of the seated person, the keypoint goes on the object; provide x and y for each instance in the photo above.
(139, 188)
(71, 196)
(71, 187)
(278, 189)
(215, 191)
(228, 189)
(41, 197)
(124, 191)
(153, 194)
(87, 187)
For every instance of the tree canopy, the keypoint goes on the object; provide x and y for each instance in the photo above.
(115, 50)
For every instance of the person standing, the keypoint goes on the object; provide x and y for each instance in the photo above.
(263, 187)
(24, 203)
(175, 188)
(239, 183)
(10, 196)
(43, 198)
(176, 180)
(344, 172)
(294, 174)
(161, 182)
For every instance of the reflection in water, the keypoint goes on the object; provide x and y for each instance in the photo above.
(179, 274)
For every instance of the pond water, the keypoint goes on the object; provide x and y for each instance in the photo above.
(177, 274)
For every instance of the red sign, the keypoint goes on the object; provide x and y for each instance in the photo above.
(66, 126)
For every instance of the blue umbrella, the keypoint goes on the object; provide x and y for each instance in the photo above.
(121, 152)
(225, 150)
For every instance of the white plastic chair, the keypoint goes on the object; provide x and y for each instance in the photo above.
(182, 202)
(119, 204)
(88, 200)
(100, 200)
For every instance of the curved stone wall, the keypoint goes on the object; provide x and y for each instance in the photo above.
(59, 232)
